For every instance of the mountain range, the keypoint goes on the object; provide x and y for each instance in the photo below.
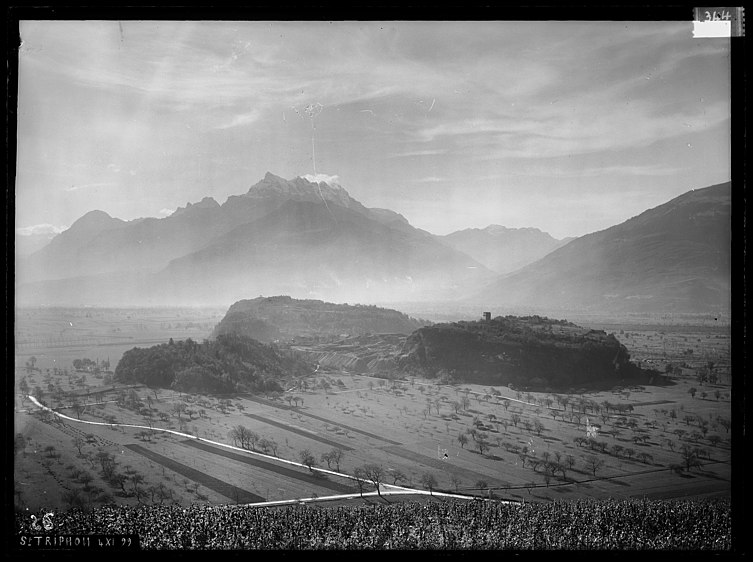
(502, 249)
(312, 240)
(673, 258)
(295, 237)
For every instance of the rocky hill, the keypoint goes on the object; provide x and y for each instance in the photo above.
(527, 352)
(273, 318)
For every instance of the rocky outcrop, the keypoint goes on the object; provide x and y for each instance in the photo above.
(530, 352)
(282, 317)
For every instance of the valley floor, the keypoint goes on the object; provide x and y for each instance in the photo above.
(531, 446)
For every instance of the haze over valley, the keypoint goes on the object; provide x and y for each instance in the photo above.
(312, 240)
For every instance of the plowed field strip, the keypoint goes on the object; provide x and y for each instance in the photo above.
(304, 433)
(228, 490)
(444, 466)
(325, 420)
(281, 470)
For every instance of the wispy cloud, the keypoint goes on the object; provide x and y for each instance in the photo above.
(554, 171)
(543, 133)
(242, 119)
(39, 229)
(430, 179)
(417, 153)
(89, 186)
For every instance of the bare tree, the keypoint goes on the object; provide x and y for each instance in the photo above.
(308, 459)
(336, 455)
(360, 476)
(428, 481)
(398, 476)
(375, 473)
(78, 408)
(272, 445)
(594, 463)
(177, 409)
(455, 480)
(253, 438)
(481, 443)
(462, 439)
(690, 457)
(327, 457)
(570, 461)
(538, 427)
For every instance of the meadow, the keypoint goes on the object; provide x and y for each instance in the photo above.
(630, 441)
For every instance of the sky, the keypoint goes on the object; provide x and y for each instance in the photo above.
(569, 127)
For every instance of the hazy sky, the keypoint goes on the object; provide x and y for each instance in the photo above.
(567, 127)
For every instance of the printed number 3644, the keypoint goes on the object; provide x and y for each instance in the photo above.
(718, 16)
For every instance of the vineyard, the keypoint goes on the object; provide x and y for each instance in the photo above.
(446, 525)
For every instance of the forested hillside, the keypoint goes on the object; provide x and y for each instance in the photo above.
(229, 363)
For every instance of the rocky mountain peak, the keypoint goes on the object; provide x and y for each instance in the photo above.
(303, 188)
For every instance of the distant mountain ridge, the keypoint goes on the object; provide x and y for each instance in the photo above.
(282, 236)
(674, 257)
(314, 241)
(503, 249)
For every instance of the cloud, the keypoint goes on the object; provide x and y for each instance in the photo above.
(637, 170)
(39, 229)
(579, 127)
(242, 119)
(166, 212)
(414, 153)
(89, 185)
(318, 178)
(431, 179)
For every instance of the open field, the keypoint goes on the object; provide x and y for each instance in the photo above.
(228, 490)
(409, 427)
(56, 336)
